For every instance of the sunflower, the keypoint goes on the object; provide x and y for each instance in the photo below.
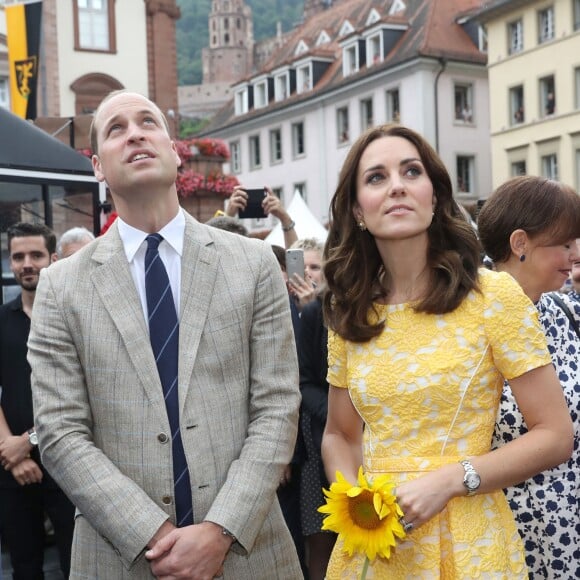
(365, 516)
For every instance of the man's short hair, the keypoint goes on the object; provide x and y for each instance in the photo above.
(27, 229)
(229, 224)
(74, 236)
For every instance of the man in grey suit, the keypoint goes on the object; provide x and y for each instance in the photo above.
(104, 430)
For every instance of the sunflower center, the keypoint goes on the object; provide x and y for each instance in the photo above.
(362, 511)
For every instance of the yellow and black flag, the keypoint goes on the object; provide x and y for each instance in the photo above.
(23, 39)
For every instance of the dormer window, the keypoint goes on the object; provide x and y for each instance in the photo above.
(304, 78)
(282, 88)
(242, 100)
(379, 40)
(261, 94)
(301, 48)
(374, 49)
(346, 29)
(323, 38)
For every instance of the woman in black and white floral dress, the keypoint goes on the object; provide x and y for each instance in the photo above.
(529, 227)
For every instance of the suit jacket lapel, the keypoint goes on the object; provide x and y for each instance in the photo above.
(114, 284)
(199, 266)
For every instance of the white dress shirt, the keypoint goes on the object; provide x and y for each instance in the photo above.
(170, 252)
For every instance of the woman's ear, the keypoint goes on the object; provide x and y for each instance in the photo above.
(519, 243)
(357, 212)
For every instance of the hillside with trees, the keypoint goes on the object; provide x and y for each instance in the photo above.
(193, 34)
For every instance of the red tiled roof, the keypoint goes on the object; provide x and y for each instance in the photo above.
(432, 31)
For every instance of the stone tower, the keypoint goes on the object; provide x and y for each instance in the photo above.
(231, 42)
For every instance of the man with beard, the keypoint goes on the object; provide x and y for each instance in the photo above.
(27, 492)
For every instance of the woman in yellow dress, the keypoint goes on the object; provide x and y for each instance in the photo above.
(420, 341)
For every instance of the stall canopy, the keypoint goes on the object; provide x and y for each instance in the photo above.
(42, 180)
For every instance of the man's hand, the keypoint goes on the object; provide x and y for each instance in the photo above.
(195, 552)
(13, 450)
(27, 472)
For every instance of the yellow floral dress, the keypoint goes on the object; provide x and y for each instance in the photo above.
(428, 389)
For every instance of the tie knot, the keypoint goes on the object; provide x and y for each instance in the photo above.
(153, 241)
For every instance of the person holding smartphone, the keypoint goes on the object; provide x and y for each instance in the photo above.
(303, 285)
(271, 205)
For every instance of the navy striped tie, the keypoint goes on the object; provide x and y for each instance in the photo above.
(164, 335)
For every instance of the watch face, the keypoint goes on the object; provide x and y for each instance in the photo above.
(472, 480)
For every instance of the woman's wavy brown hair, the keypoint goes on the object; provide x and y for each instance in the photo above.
(548, 211)
(353, 267)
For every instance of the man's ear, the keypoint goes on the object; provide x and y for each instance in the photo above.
(519, 242)
(97, 169)
(177, 157)
(53, 258)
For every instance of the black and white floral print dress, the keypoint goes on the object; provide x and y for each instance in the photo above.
(547, 507)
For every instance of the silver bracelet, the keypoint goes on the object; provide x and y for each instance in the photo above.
(289, 227)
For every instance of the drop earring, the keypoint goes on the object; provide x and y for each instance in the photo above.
(523, 258)
(362, 226)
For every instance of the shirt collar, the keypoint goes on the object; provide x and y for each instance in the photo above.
(172, 233)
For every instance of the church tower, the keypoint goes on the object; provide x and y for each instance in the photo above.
(231, 42)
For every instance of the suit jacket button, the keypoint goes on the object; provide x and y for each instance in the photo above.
(162, 438)
(166, 499)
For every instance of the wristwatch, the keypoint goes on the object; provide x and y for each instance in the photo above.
(32, 437)
(471, 479)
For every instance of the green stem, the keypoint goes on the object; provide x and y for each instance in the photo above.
(365, 568)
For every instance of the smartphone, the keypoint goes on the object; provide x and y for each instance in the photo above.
(295, 263)
(254, 207)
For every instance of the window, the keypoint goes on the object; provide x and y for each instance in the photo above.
(482, 38)
(301, 189)
(547, 96)
(281, 87)
(577, 169)
(4, 94)
(374, 53)
(342, 129)
(517, 112)
(518, 168)
(303, 79)
(550, 166)
(241, 101)
(235, 162)
(516, 36)
(94, 25)
(261, 94)
(465, 174)
(546, 24)
(298, 147)
(350, 60)
(275, 146)
(577, 83)
(279, 193)
(393, 107)
(463, 103)
(366, 114)
(576, 14)
(255, 156)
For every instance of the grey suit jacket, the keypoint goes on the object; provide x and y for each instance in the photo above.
(101, 418)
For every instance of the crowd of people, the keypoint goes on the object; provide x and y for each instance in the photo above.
(175, 400)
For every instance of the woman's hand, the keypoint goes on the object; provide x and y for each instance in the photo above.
(423, 498)
(237, 201)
